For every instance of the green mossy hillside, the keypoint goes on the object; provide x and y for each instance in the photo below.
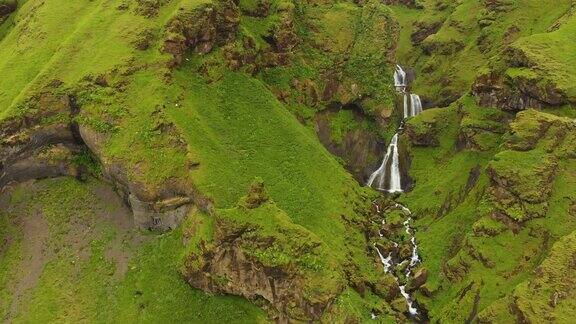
(550, 57)
(549, 295)
(304, 272)
(498, 209)
(70, 252)
(450, 44)
(196, 111)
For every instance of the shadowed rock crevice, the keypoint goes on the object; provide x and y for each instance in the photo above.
(6, 8)
(34, 147)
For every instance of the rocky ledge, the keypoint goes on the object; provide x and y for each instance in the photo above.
(51, 144)
(254, 250)
(522, 176)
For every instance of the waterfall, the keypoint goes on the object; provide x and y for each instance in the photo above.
(416, 106)
(390, 264)
(406, 106)
(399, 78)
(378, 177)
(386, 261)
(395, 184)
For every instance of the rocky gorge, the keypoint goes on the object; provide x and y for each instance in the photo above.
(258, 161)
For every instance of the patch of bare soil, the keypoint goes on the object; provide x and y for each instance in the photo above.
(114, 211)
(35, 254)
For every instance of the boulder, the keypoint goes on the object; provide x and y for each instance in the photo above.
(424, 29)
(418, 279)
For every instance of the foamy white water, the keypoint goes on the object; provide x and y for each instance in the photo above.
(394, 184)
(386, 261)
(399, 78)
(416, 105)
(378, 177)
(395, 181)
(406, 115)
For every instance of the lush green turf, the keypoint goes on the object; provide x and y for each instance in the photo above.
(216, 131)
(471, 40)
(467, 250)
(78, 281)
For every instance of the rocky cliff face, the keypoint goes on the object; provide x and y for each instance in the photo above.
(522, 177)
(360, 148)
(277, 262)
(31, 149)
(51, 144)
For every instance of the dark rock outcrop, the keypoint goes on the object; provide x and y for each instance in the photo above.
(6, 8)
(31, 150)
(423, 30)
(407, 3)
(516, 93)
(154, 208)
(35, 147)
(359, 148)
(258, 253)
(201, 29)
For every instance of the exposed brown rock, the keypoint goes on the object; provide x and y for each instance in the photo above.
(361, 149)
(6, 8)
(407, 3)
(423, 30)
(418, 280)
(235, 262)
(200, 29)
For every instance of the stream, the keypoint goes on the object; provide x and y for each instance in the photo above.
(387, 178)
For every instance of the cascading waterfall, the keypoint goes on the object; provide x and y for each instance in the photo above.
(395, 183)
(416, 104)
(391, 159)
(406, 112)
(399, 78)
(390, 266)
(378, 178)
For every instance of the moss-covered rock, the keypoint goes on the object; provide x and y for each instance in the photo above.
(257, 252)
(423, 129)
(549, 295)
(523, 176)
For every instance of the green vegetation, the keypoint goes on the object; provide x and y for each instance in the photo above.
(84, 262)
(487, 216)
(199, 98)
(451, 43)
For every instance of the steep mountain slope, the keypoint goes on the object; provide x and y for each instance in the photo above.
(175, 104)
(209, 158)
(493, 179)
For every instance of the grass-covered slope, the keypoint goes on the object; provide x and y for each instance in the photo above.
(181, 97)
(70, 252)
(451, 43)
(490, 205)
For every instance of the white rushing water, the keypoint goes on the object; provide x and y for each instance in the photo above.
(394, 184)
(399, 78)
(395, 181)
(406, 112)
(386, 261)
(416, 105)
(378, 177)
(387, 177)
(413, 261)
